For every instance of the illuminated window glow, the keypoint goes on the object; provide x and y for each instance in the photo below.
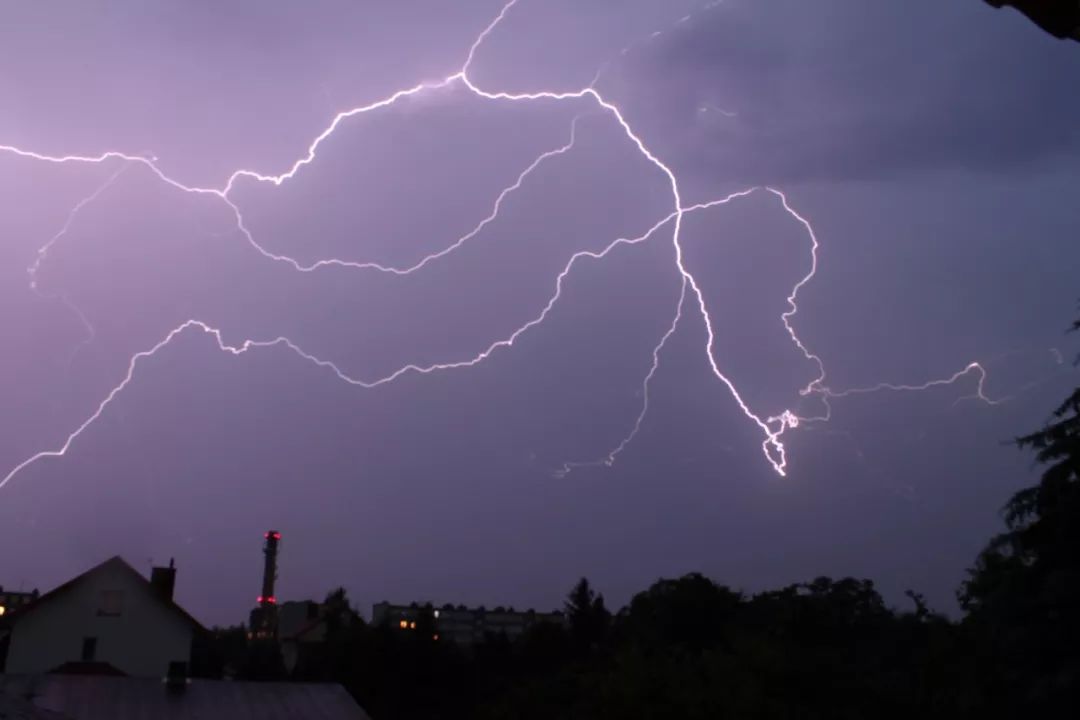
(403, 624)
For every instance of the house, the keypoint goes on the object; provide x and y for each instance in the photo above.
(89, 697)
(304, 626)
(295, 616)
(108, 620)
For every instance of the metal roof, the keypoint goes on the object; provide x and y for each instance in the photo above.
(121, 698)
(15, 708)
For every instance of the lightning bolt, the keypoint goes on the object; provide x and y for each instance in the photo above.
(609, 460)
(490, 218)
(43, 252)
(711, 107)
(216, 333)
(974, 368)
(772, 427)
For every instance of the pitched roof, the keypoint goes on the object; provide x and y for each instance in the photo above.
(114, 562)
(106, 698)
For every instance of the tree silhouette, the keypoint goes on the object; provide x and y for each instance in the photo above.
(589, 618)
(1023, 595)
(691, 612)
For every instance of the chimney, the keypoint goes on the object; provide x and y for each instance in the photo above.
(163, 580)
(273, 537)
(264, 617)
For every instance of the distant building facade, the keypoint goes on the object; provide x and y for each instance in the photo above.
(12, 601)
(110, 619)
(459, 624)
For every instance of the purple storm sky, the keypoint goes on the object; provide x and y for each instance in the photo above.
(932, 146)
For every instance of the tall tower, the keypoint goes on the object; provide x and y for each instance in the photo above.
(263, 623)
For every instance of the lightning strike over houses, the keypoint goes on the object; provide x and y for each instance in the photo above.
(507, 358)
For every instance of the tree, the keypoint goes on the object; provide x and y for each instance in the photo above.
(690, 612)
(589, 618)
(1023, 595)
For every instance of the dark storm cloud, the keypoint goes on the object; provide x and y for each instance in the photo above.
(841, 89)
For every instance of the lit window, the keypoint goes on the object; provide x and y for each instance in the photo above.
(2, 610)
(403, 624)
(412, 626)
(436, 616)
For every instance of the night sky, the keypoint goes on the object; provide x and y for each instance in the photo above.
(932, 146)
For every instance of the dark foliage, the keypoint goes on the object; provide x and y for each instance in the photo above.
(589, 618)
(1023, 595)
(684, 648)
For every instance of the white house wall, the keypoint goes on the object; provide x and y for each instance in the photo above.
(141, 641)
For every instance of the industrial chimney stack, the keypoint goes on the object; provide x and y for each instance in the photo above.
(264, 617)
(270, 550)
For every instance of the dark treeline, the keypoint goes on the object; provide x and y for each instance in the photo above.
(690, 648)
